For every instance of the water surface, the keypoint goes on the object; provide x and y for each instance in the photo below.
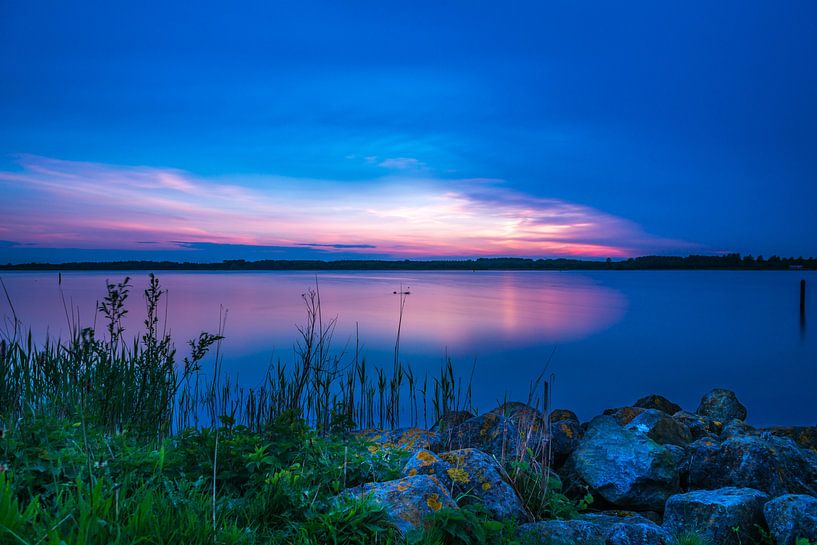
(609, 337)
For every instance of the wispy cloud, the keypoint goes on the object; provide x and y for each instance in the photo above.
(55, 203)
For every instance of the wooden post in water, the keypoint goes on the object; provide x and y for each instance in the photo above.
(803, 297)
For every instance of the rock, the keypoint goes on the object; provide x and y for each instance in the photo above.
(557, 415)
(791, 517)
(805, 436)
(661, 428)
(408, 501)
(626, 528)
(714, 513)
(562, 532)
(477, 478)
(565, 436)
(410, 439)
(721, 406)
(699, 426)
(625, 467)
(624, 415)
(451, 419)
(422, 462)
(736, 428)
(531, 425)
(775, 465)
(490, 433)
(620, 528)
(659, 403)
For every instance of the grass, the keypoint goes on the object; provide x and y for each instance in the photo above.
(109, 441)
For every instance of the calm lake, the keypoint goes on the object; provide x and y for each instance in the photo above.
(609, 337)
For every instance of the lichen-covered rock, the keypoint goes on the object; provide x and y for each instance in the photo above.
(791, 517)
(422, 462)
(805, 436)
(700, 426)
(623, 415)
(565, 436)
(626, 528)
(410, 439)
(476, 477)
(714, 514)
(491, 433)
(619, 528)
(736, 428)
(408, 501)
(661, 428)
(557, 415)
(657, 402)
(451, 419)
(625, 467)
(721, 406)
(775, 465)
(531, 424)
(562, 532)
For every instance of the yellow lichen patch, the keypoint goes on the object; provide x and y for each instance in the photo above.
(486, 486)
(426, 458)
(458, 475)
(403, 485)
(372, 449)
(412, 472)
(433, 502)
(567, 430)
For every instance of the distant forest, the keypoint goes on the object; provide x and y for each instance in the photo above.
(729, 262)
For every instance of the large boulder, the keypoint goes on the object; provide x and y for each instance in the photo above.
(557, 415)
(618, 528)
(476, 477)
(657, 402)
(625, 467)
(775, 465)
(792, 517)
(624, 415)
(408, 501)
(661, 428)
(721, 406)
(491, 433)
(451, 419)
(531, 424)
(727, 516)
(699, 426)
(565, 436)
(805, 436)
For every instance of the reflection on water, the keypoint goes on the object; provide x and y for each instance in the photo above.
(618, 335)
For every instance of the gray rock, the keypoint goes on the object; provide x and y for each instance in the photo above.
(565, 436)
(624, 415)
(557, 415)
(661, 428)
(721, 406)
(700, 426)
(422, 462)
(805, 436)
(531, 425)
(660, 403)
(736, 428)
(619, 528)
(625, 467)
(714, 513)
(791, 517)
(775, 465)
(408, 501)
(451, 419)
(476, 477)
(562, 532)
(491, 433)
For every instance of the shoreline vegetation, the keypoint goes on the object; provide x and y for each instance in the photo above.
(107, 440)
(691, 262)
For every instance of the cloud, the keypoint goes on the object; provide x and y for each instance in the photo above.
(65, 204)
(401, 163)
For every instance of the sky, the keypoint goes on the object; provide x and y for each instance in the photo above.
(159, 130)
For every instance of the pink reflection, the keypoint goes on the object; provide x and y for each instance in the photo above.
(469, 313)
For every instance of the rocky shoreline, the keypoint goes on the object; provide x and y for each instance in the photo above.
(655, 472)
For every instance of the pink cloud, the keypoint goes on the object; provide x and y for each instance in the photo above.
(89, 205)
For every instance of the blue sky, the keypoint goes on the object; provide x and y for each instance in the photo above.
(663, 127)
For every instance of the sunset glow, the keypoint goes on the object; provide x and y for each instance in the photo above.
(65, 204)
